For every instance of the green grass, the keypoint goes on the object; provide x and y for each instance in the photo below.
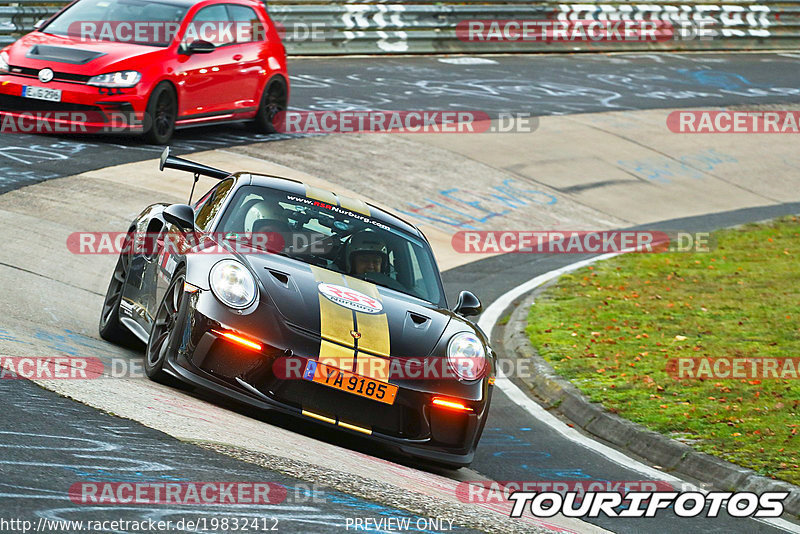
(612, 328)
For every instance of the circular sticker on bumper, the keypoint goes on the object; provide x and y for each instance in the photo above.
(349, 298)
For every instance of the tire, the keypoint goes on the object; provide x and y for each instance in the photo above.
(273, 101)
(167, 322)
(110, 327)
(161, 114)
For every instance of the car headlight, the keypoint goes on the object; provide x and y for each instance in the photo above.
(466, 356)
(4, 63)
(233, 284)
(124, 78)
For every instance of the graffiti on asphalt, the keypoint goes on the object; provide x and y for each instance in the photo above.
(664, 169)
(460, 208)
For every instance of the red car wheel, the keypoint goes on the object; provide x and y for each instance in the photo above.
(273, 101)
(162, 111)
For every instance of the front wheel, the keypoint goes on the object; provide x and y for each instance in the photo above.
(273, 101)
(110, 327)
(164, 328)
(161, 114)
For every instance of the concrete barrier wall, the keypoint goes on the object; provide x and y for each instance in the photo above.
(416, 27)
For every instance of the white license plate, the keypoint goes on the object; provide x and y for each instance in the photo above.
(42, 93)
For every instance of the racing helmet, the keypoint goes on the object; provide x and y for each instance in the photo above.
(363, 242)
(263, 209)
(266, 220)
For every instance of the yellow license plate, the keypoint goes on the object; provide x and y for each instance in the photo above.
(349, 382)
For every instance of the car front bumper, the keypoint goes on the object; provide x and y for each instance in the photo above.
(411, 424)
(82, 108)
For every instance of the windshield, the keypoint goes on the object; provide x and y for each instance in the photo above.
(334, 238)
(130, 21)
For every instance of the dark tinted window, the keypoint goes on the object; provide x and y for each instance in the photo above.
(211, 24)
(333, 238)
(247, 25)
(99, 20)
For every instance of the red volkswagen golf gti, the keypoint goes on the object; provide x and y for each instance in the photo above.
(146, 66)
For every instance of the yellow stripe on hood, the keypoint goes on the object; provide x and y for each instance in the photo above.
(335, 321)
(374, 329)
(337, 346)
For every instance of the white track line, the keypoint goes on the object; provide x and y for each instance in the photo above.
(489, 320)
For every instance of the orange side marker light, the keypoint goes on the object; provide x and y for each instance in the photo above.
(243, 341)
(451, 404)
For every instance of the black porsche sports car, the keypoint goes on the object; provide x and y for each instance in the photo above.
(288, 297)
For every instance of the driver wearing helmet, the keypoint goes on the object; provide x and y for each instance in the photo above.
(366, 253)
(270, 226)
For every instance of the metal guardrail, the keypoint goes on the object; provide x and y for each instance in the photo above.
(418, 28)
(19, 19)
(319, 27)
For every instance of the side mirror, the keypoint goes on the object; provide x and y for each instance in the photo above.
(181, 215)
(39, 24)
(200, 47)
(468, 304)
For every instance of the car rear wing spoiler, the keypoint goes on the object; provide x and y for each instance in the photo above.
(173, 162)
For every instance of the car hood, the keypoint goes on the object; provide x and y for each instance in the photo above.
(340, 309)
(74, 55)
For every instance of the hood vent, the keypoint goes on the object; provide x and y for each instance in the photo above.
(281, 278)
(60, 54)
(419, 321)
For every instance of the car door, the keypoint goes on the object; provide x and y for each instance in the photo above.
(248, 54)
(204, 79)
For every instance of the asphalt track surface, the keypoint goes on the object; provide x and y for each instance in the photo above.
(540, 85)
(514, 446)
(44, 456)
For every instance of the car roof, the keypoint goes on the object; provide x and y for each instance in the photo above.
(298, 188)
(184, 3)
(190, 3)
